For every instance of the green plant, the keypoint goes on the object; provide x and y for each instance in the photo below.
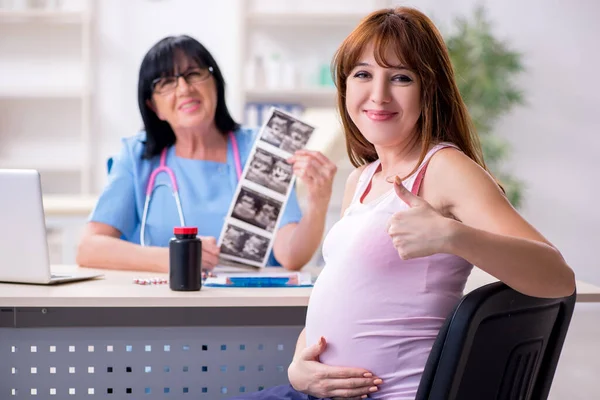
(485, 69)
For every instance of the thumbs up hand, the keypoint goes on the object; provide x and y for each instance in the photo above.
(420, 230)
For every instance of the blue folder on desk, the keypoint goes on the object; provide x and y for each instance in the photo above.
(290, 279)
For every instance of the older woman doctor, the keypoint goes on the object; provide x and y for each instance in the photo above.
(190, 134)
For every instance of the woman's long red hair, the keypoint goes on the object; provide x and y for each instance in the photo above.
(418, 45)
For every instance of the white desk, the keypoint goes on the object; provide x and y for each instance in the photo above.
(586, 292)
(113, 338)
(117, 289)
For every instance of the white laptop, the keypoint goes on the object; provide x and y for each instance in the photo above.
(24, 254)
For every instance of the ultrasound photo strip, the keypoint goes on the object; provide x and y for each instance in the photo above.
(263, 191)
(269, 171)
(256, 209)
(244, 246)
(285, 132)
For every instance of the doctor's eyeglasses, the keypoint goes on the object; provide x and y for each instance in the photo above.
(167, 84)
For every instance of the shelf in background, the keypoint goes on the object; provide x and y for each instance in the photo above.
(45, 16)
(309, 97)
(29, 162)
(303, 19)
(69, 205)
(41, 92)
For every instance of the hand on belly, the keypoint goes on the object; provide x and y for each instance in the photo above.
(308, 375)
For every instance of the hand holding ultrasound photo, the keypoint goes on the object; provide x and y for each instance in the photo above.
(263, 191)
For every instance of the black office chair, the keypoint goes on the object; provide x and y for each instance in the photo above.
(497, 344)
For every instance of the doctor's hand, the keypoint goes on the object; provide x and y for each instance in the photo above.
(317, 172)
(419, 231)
(210, 252)
(308, 375)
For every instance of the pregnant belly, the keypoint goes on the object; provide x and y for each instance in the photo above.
(395, 351)
(366, 329)
(379, 345)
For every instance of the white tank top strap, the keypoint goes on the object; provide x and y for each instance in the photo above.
(364, 180)
(434, 150)
(420, 173)
(414, 181)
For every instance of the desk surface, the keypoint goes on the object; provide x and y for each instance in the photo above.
(117, 289)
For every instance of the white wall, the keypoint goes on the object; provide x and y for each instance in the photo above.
(555, 137)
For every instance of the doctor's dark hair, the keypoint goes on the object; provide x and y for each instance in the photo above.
(160, 61)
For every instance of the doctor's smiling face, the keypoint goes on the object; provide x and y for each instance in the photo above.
(181, 95)
(187, 96)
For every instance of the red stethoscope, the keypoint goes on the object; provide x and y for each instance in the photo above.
(163, 168)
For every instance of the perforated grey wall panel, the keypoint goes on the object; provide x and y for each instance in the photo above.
(143, 362)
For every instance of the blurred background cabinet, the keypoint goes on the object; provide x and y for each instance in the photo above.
(45, 91)
(287, 47)
(45, 105)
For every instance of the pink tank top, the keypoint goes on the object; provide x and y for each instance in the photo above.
(375, 310)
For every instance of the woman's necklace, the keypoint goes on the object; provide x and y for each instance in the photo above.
(389, 178)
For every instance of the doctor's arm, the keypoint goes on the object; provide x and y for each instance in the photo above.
(113, 217)
(296, 243)
(101, 247)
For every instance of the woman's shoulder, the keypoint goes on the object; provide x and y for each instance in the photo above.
(354, 180)
(356, 174)
(136, 141)
(133, 146)
(452, 173)
(447, 158)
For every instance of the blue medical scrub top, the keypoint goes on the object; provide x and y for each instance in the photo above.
(206, 189)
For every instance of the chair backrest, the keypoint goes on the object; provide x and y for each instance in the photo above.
(497, 344)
